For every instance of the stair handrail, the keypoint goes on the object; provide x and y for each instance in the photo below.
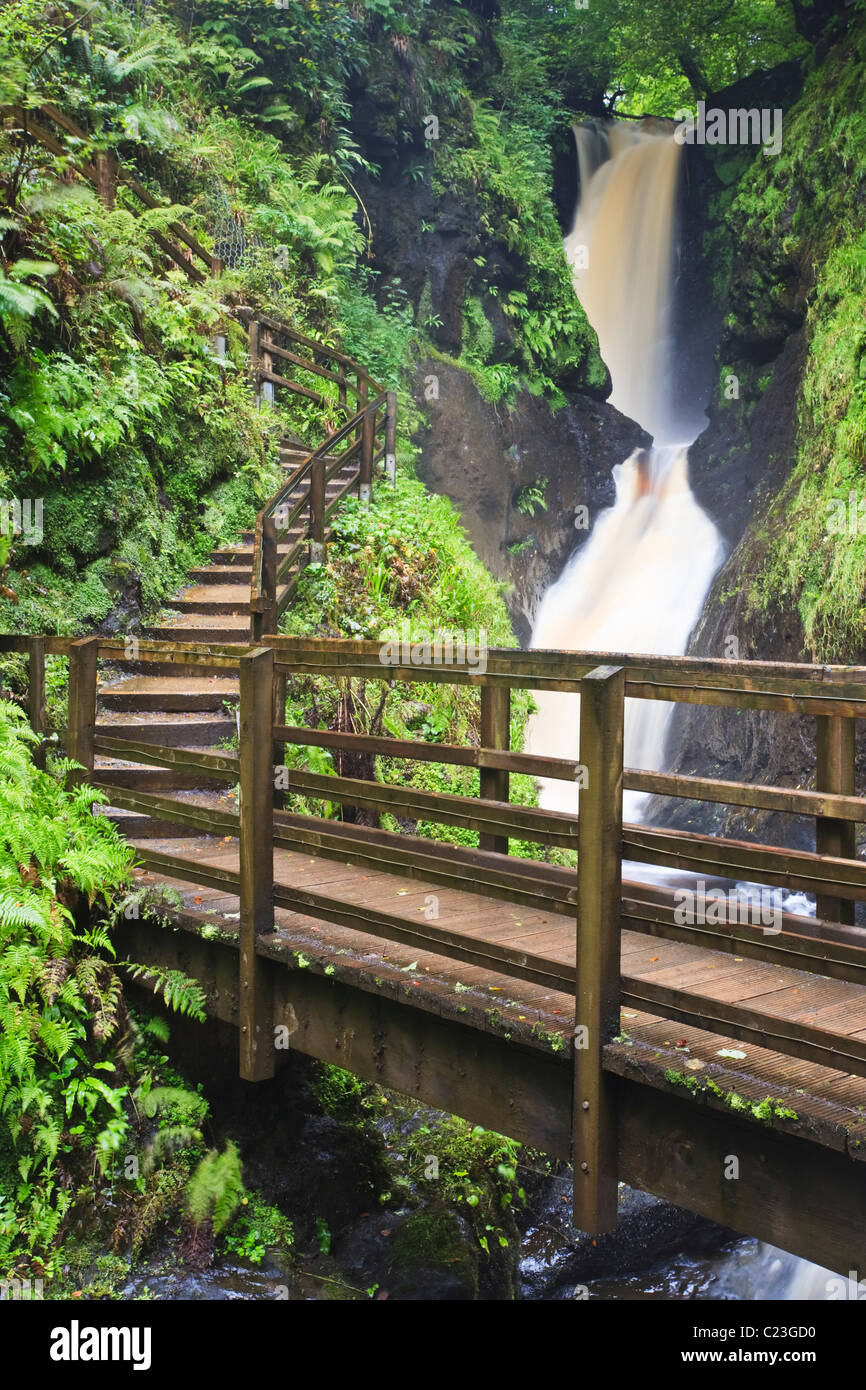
(266, 603)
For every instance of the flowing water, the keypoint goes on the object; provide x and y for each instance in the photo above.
(640, 581)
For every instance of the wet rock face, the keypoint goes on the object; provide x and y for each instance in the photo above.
(124, 585)
(488, 459)
(430, 1254)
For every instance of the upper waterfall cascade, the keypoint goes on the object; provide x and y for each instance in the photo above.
(639, 582)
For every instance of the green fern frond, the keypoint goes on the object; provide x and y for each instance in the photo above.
(181, 993)
(216, 1188)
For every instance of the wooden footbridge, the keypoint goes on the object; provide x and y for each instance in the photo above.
(706, 1056)
(719, 1064)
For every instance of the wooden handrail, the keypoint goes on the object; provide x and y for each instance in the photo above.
(266, 602)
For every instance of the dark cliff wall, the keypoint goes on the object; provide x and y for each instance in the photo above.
(486, 456)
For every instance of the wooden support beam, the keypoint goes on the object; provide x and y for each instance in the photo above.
(82, 707)
(495, 733)
(793, 1192)
(274, 379)
(266, 373)
(274, 350)
(181, 759)
(596, 1017)
(835, 773)
(256, 861)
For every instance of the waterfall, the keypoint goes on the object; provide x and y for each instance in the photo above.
(639, 582)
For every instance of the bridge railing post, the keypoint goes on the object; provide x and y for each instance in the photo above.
(599, 906)
(391, 438)
(264, 615)
(81, 726)
(317, 512)
(835, 773)
(368, 427)
(256, 861)
(106, 177)
(267, 365)
(495, 733)
(255, 363)
(36, 695)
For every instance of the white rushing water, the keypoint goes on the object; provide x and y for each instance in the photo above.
(639, 582)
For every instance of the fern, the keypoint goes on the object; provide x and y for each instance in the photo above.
(65, 1039)
(216, 1188)
(180, 993)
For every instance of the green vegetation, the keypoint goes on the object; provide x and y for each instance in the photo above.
(765, 1110)
(73, 1092)
(499, 163)
(651, 58)
(403, 571)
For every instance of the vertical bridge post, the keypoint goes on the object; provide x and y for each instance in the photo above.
(82, 707)
(253, 333)
(36, 695)
(599, 906)
(391, 438)
(264, 615)
(267, 392)
(256, 861)
(835, 773)
(106, 177)
(317, 512)
(367, 433)
(495, 733)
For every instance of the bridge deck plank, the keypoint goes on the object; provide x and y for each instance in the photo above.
(830, 1104)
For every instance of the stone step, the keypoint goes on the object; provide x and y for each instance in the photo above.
(194, 731)
(153, 779)
(202, 627)
(292, 458)
(169, 694)
(214, 598)
(229, 573)
(240, 555)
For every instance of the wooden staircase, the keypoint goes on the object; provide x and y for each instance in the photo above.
(173, 705)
